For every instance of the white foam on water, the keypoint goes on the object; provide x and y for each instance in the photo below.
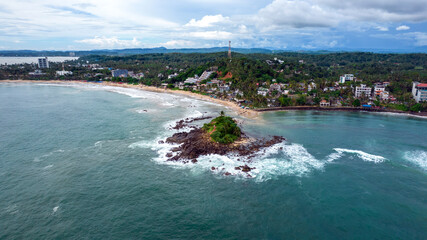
(362, 155)
(12, 209)
(418, 158)
(279, 159)
(55, 209)
(39, 159)
(48, 166)
(334, 156)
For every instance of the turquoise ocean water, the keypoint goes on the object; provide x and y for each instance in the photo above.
(83, 162)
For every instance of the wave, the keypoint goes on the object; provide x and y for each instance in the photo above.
(362, 155)
(39, 159)
(418, 158)
(279, 159)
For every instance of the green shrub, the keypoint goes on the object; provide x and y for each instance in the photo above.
(226, 130)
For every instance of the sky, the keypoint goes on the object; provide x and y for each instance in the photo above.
(273, 24)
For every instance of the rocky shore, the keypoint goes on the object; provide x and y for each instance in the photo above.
(198, 143)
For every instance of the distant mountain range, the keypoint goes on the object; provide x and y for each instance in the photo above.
(133, 51)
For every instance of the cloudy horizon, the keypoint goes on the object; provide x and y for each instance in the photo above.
(278, 24)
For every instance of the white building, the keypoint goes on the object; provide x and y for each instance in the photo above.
(325, 103)
(419, 91)
(385, 95)
(191, 80)
(205, 75)
(63, 73)
(173, 75)
(379, 88)
(311, 86)
(262, 91)
(43, 62)
(346, 78)
(363, 90)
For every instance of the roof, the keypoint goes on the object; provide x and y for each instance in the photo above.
(422, 85)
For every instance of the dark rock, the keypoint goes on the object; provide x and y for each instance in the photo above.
(237, 168)
(161, 142)
(213, 168)
(169, 155)
(227, 174)
(194, 160)
(246, 168)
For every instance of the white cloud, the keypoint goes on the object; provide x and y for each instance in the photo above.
(403, 28)
(296, 14)
(178, 44)
(113, 42)
(211, 35)
(382, 29)
(207, 21)
(333, 43)
(420, 38)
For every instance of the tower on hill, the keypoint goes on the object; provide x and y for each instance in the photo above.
(229, 49)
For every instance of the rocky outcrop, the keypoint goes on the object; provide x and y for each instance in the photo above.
(198, 143)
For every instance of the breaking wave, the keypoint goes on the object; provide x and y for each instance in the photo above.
(339, 152)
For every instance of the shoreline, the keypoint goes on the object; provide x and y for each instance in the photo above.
(248, 113)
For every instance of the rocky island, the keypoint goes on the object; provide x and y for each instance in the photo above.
(221, 136)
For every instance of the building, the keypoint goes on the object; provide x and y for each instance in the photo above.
(325, 103)
(205, 75)
(119, 73)
(363, 90)
(346, 78)
(262, 91)
(43, 62)
(37, 73)
(173, 75)
(191, 80)
(275, 87)
(385, 95)
(311, 86)
(419, 91)
(63, 73)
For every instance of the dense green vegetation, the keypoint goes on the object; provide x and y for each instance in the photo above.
(223, 129)
(252, 71)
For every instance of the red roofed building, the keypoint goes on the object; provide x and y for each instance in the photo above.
(228, 75)
(419, 91)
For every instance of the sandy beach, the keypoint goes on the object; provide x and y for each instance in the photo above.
(232, 105)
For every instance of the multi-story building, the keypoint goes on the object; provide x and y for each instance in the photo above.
(419, 91)
(205, 75)
(43, 62)
(119, 73)
(346, 78)
(363, 90)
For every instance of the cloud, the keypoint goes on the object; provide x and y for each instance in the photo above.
(212, 35)
(207, 21)
(113, 42)
(382, 29)
(420, 38)
(296, 14)
(71, 10)
(402, 28)
(178, 44)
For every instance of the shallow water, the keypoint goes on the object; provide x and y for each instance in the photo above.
(82, 161)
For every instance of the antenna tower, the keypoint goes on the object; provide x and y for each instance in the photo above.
(229, 49)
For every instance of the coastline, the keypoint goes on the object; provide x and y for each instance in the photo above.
(248, 113)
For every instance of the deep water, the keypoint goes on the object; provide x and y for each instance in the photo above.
(83, 162)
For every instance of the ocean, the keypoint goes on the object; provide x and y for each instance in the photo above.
(83, 162)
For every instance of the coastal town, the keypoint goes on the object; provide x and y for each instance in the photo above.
(283, 84)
